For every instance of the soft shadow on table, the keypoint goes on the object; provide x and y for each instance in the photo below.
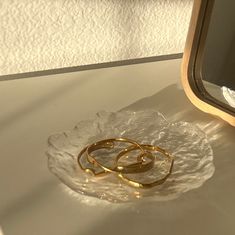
(182, 215)
(175, 106)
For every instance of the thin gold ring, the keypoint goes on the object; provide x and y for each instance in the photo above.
(132, 168)
(89, 169)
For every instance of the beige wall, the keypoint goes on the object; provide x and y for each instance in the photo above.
(46, 34)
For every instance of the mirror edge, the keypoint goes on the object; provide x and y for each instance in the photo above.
(188, 65)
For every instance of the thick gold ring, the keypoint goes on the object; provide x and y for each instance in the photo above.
(157, 182)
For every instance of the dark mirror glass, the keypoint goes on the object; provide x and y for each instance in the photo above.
(217, 62)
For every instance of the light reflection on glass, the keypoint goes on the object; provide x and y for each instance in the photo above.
(91, 201)
(137, 194)
(229, 96)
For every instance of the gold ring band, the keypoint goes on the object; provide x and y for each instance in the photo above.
(157, 182)
(132, 168)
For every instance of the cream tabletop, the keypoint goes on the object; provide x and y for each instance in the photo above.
(34, 202)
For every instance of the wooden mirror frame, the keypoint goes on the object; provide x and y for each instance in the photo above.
(191, 65)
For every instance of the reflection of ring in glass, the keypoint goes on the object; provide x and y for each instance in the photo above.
(137, 167)
(151, 148)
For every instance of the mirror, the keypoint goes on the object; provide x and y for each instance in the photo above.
(209, 59)
(218, 59)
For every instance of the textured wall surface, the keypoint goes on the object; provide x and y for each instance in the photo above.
(46, 34)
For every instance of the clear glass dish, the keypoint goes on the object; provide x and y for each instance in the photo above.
(193, 163)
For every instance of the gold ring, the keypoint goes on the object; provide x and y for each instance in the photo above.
(157, 182)
(131, 168)
(95, 170)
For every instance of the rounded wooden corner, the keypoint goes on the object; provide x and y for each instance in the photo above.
(190, 93)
